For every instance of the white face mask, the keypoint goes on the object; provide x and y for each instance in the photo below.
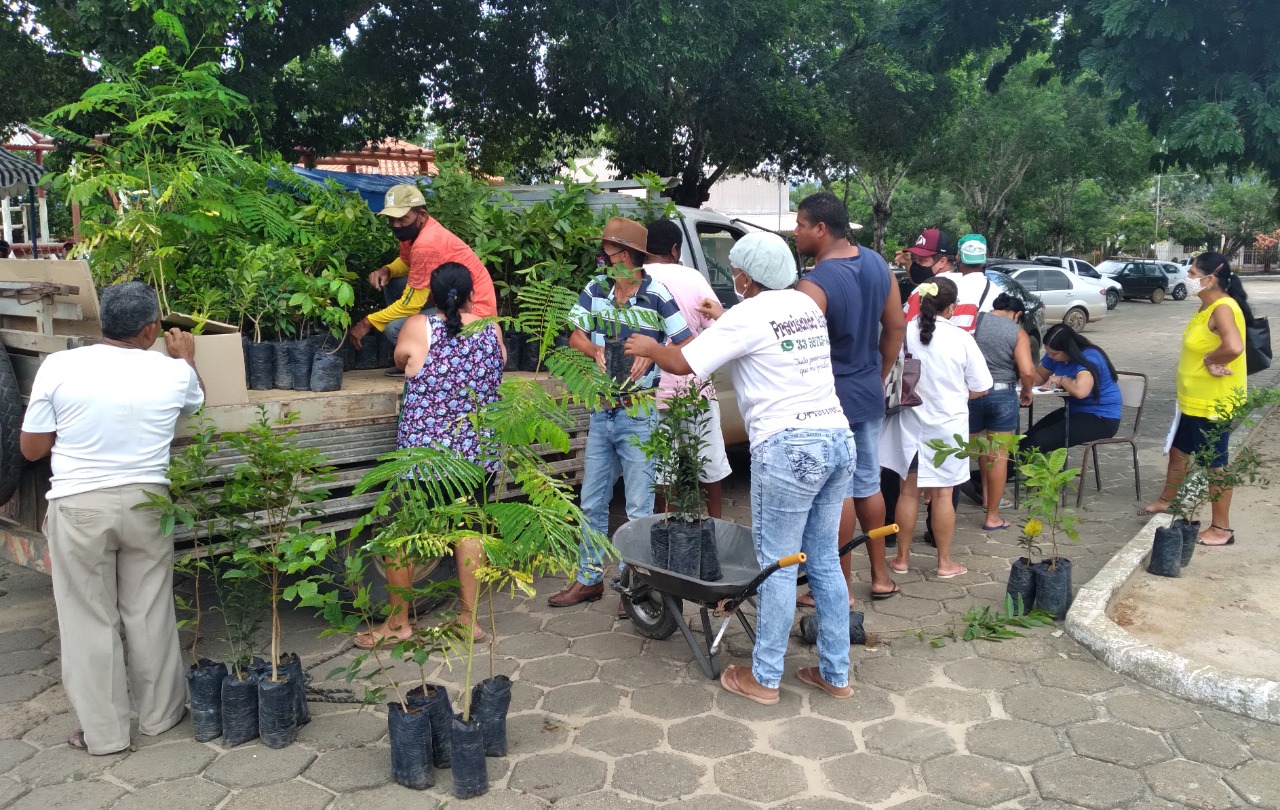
(741, 297)
(1194, 285)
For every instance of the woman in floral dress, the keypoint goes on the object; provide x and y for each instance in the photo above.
(449, 376)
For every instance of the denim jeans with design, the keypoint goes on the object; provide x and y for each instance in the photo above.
(799, 479)
(611, 451)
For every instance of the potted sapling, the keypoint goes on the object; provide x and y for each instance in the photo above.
(1204, 482)
(507, 543)
(252, 297)
(1046, 476)
(684, 540)
(418, 715)
(223, 696)
(275, 492)
(1173, 546)
(192, 504)
(323, 299)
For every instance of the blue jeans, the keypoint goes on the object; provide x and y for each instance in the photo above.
(392, 293)
(612, 451)
(866, 474)
(799, 479)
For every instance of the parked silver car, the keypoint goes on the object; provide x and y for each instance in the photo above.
(1074, 300)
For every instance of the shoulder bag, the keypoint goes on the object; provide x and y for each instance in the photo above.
(900, 386)
(1257, 344)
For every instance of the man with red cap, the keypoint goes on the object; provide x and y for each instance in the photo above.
(933, 254)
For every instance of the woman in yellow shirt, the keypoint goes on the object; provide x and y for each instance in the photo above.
(1211, 372)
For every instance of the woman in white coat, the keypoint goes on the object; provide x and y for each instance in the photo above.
(952, 371)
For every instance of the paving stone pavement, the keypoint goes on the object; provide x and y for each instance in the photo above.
(603, 718)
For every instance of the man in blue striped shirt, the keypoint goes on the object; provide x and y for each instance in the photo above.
(611, 309)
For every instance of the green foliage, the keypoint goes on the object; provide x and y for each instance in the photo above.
(1206, 483)
(676, 447)
(220, 230)
(196, 503)
(985, 624)
(272, 499)
(553, 240)
(1046, 475)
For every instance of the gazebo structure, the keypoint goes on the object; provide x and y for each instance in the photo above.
(21, 166)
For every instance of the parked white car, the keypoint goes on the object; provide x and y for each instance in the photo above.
(1177, 274)
(1074, 300)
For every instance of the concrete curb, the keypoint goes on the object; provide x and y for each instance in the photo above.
(1087, 622)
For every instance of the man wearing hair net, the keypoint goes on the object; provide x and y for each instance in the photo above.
(775, 348)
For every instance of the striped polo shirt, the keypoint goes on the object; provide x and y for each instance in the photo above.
(651, 311)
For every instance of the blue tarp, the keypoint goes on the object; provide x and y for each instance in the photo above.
(373, 187)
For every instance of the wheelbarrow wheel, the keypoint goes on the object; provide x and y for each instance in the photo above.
(648, 611)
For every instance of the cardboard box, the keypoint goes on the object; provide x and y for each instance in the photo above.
(219, 359)
(219, 354)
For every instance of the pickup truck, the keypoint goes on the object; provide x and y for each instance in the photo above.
(353, 427)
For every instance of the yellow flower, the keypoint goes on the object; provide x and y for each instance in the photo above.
(1032, 528)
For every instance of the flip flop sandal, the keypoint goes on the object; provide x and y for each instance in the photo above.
(369, 640)
(961, 572)
(1001, 527)
(898, 570)
(813, 677)
(886, 594)
(729, 680)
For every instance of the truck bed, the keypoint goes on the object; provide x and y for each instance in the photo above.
(352, 427)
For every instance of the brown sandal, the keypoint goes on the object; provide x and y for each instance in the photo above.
(813, 677)
(729, 680)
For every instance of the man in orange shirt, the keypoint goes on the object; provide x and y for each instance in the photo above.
(425, 244)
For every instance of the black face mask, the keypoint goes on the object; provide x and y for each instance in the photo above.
(407, 233)
(918, 273)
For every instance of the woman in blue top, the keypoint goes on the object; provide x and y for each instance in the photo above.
(1085, 372)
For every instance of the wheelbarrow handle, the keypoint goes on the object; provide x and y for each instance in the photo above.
(883, 531)
(794, 559)
(731, 604)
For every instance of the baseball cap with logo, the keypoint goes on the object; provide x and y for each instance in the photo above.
(973, 249)
(400, 200)
(931, 242)
(626, 232)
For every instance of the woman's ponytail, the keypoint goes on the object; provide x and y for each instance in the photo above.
(450, 291)
(935, 297)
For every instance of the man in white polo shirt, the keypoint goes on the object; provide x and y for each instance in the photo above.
(107, 414)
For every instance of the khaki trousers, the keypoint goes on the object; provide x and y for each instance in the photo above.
(113, 571)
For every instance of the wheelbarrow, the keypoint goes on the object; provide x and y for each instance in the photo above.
(653, 597)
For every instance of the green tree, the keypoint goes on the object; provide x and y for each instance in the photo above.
(1202, 76)
(992, 142)
(696, 89)
(322, 74)
(883, 113)
(1087, 146)
(1223, 214)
